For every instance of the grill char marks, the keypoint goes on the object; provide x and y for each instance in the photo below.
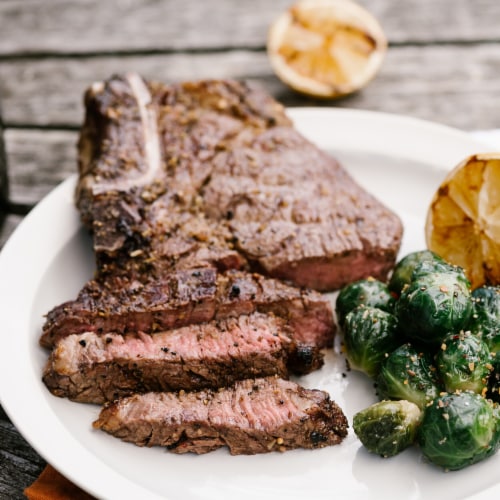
(189, 297)
(89, 368)
(253, 416)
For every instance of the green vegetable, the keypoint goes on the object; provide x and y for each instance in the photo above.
(464, 362)
(424, 333)
(459, 430)
(403, 270)
(387, 427)
(493, 392)
(433, 305)
(369, 292)
(369, 334)
(427, 267)
(408, 374)
(485, 320)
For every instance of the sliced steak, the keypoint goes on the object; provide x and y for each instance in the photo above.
(253, 416)
(122, 305)
(91, 368)
(190, 297)
(213, 173)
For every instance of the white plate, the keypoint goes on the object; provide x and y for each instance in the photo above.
(49, 257)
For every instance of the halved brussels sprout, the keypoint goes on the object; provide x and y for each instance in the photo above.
(408, 374)
(369, 335)
(368, 292)
(485, 320)
(387, 427)
(402, 273)
(433, 305)
(459, 429)
(464, 362)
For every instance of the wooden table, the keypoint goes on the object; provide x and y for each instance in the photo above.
(443, 64)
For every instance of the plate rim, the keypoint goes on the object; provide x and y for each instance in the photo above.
(306, 119)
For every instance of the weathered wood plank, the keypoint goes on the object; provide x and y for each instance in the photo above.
(38, 161)
(460, 79)
(19, 463)
(94, 26)
(454, 85)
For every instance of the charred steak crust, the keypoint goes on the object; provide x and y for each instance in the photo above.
(91, 368)
(240, 185)
(145, 151)
(119, 304)
(252, 416)
(182, 298)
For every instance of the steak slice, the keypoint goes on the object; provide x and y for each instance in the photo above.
(119, 304)
(91, 368)
(189, 297)
(252, 416)
(213, 173)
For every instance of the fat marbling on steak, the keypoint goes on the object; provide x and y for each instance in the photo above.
(213, 173)
(91, 368)
(252, 416)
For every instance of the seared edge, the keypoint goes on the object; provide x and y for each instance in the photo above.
(92, 368)
(189, 297)
(253, 416)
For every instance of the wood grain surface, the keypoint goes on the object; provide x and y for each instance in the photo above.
(443, 65)
(90, 26)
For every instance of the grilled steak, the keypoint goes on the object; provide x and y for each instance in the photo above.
(91, 368)
(182, 298)
(213, 173)
(208, 213)
(253, 416)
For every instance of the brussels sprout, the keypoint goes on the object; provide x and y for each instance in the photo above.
(427, 267)
(464, 362)
(387, 427)
(369, 335)
(433, 305)
(369, 292)
(408, 374)
(459, 429)
(402, 273)
(485, 320)
(493, 392)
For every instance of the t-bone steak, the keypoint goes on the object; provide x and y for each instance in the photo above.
(213, 173)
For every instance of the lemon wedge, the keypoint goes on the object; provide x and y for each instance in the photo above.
(326, 48)
(463, 220)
